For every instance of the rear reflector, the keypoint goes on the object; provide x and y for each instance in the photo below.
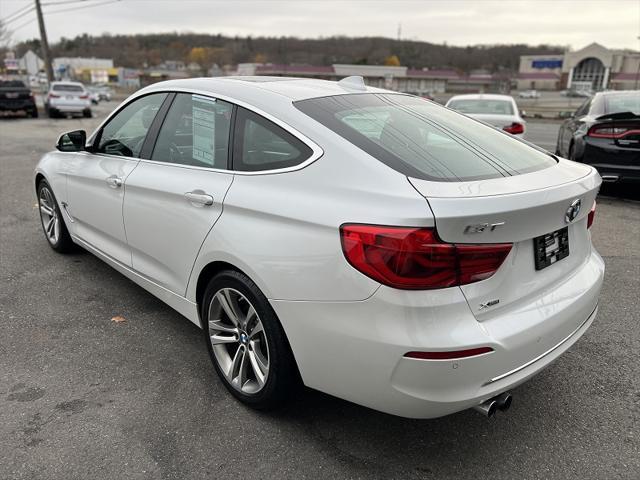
(450, 355)
(515, 128)
(592, 215)
(412, 258)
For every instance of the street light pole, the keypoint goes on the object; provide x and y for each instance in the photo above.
(44, 43)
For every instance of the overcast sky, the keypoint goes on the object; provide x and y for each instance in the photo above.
(614, 23)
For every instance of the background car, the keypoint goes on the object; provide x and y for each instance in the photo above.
(15, 96)
(70, 98)
(104, 92)
(363, 241)
(529, 94)
(94, 95)
(501, 111)
(605, 132)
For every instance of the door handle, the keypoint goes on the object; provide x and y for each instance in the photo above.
(199, 198)
(113, 181)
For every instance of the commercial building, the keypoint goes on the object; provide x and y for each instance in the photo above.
(592, 68)
(400, 78)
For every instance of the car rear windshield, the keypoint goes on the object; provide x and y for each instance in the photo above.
(424, 140)
(623, 102)
(478, 105)
(68, 88)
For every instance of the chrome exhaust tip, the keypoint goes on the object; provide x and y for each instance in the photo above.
(610, 178)
(504, 401)
(488, 408)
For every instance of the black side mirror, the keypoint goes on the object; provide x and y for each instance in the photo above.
(72, 141)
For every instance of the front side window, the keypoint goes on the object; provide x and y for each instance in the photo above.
(125, 133)
(195, 132)
(423, 140)
(262, 145)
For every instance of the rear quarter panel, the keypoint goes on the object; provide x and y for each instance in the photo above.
(282, 229)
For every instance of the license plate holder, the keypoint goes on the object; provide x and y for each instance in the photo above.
(551, 248)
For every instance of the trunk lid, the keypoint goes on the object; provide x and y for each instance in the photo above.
(516, 210)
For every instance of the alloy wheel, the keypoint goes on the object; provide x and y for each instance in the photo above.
(238, 341)
(49, 215)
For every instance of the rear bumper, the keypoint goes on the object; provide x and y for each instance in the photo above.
(17, 105)
(612, 162)
(355, 350)
(70, 107)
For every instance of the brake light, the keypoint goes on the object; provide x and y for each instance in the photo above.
(592, 215)
(515, 128)
(609, 131)
(84, 97)
(53, 95)
(411, 258)
(449, 355)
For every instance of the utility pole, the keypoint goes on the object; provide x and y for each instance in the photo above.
(44, 43)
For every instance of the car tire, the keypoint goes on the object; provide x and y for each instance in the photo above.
(86, 113)
(572, 152)
(51, 112)
(33, 113)
(250, 352)
(52, 221)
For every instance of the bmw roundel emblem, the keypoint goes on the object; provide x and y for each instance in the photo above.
(573, 211)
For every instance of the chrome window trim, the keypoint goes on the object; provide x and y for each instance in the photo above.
(316, 150)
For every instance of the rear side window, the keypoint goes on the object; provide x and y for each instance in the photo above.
(262, 145)
(195, 132)
(423, 140)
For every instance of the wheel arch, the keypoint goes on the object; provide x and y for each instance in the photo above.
(38, 178)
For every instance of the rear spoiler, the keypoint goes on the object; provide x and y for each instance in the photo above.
(619, 116)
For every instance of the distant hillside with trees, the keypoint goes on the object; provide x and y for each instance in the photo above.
(138, 51)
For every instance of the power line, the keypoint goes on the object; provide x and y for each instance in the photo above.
(51, 12)
(11, 20)
(63, 2)
(30, 7)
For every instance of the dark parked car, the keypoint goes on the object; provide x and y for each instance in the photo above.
(605, 133)
(16, 97)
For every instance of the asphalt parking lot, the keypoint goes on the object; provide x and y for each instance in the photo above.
(84, 397)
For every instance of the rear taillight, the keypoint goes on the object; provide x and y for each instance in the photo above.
(84, 97)
(53, 95)
(592, 215)
(610, 131)
(515, 128)
(412, 258)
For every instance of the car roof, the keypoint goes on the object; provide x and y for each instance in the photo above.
(65, 82)
(481, 96)
(276, 88)
(620, 93)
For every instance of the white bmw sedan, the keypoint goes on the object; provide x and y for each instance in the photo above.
(372, 245)
(501, 111)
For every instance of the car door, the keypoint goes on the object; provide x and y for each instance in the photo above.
(95, 178)
(175, 196)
